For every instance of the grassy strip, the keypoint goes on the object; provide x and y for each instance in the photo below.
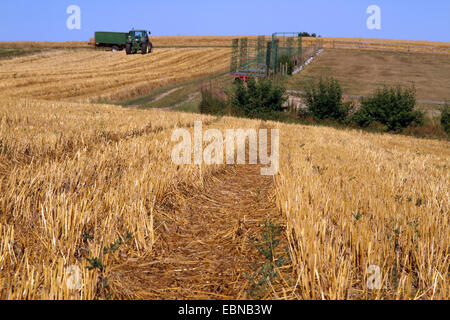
(148, 98)
(183, 99)
(15, 52)
(172, 99)
(190, 107)
(7, 53)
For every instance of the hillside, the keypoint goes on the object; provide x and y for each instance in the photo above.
(360, 73)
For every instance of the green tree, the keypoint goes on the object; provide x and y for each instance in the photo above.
(324, 100)
(392, 107)
(259, 98)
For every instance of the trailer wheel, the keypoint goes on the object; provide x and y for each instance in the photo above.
(128, 48)
(114, 48)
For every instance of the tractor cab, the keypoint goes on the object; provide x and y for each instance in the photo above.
(138, 34)
(138, 40)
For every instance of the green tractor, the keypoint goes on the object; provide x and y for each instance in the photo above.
(138, 40)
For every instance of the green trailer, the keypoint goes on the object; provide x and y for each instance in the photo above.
(114, 40)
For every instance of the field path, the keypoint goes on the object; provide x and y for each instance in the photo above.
(158, 97)
(206, 250)
(352, 96)
(190, 98)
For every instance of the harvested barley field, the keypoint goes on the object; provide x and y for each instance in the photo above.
(94, 186)
(352, 200)
(92, 206)
(88, 75)
(88, 175)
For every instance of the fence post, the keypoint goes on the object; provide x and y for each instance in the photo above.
(334, 44)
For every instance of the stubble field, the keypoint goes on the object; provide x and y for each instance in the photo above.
(92, 186)
(88, 75)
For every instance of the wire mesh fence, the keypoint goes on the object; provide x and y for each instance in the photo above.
(249, 57)
(267, 56)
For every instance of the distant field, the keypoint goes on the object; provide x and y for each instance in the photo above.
(393, 41)
(329, 40)
(167, 41)
(362, 72)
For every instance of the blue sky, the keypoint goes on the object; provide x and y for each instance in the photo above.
(45, 20)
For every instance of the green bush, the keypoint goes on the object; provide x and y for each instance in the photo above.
(324, 100)
(258, 99)
(445, 118)
(392, 107)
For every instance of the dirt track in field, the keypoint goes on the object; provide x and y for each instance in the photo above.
(190, 98)
(204, 252)
(159, 97)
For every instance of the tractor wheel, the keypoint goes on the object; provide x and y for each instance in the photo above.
(128, 48)
(150, 47)
(144, 48)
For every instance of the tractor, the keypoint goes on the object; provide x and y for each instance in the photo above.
(138, 40)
